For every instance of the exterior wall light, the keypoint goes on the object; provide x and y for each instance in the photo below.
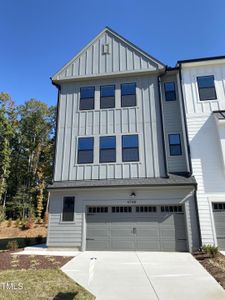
(133, 195)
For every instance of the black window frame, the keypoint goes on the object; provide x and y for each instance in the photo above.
(79, 151)
(172, 145)
(212, 88)
(90, 99)
(104, 149)
(107, 98)
(124, 96)
(66, 210)
(168, 93)
(129, 148)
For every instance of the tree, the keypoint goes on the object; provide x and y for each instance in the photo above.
(7, 123)
(31, 158)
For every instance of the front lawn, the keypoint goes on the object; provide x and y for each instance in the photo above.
(42, 284)
(37, 277)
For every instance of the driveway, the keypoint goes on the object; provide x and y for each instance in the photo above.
(143, 276)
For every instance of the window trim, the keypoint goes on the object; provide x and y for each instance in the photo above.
(77, 152)
(82, 87)
(106, 162)
(165, 92)
(121, 95)
(108, 96)
(74, 214)
(181, 152)
(198, 88)
(138, 147)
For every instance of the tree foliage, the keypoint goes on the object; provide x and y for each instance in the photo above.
(27, 137)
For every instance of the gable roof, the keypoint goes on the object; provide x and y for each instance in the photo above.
(122, 57)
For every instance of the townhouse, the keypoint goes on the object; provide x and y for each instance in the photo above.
(122, 176)
(203, 85)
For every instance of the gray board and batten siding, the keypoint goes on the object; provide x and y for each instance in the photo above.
(143, 119)
(171, 111)
(121, 57)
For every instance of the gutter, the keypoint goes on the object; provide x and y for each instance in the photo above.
(185, 122)
(57, 117)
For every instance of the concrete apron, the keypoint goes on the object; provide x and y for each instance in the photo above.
(143, 276)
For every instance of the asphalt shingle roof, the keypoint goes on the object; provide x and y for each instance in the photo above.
(172, 180)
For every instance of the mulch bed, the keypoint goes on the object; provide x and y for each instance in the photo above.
(11, 261)
(214, 265)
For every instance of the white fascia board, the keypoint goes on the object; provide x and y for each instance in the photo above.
(110, 75)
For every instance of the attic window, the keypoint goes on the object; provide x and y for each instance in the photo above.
(105, 49)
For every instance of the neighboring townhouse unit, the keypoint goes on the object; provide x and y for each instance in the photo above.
(122, 175)
(203, 84)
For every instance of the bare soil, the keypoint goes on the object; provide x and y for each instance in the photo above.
(11, 261)
(13, 231)
(214, 265)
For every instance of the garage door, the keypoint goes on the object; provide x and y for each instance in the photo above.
(150, 228)
(219, 219)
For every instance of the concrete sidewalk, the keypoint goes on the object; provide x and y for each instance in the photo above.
(44, 250)
(143, 276)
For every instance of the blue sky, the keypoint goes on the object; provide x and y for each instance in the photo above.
(39, 36)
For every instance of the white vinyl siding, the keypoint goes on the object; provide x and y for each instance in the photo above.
(206, 156)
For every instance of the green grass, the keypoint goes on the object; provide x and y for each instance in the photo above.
(40, 285)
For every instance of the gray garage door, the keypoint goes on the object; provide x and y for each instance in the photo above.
(219, 219)
(152, 228)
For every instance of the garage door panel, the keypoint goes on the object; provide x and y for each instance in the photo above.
(123, 232)
(151, 233)
(122, 245)
(219, 220)
(149, 245)
(152, 230)
(96, 231)
(98, 244)
(172, 233)
(173, 245)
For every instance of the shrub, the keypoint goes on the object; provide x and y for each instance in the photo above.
(210, 249)
(46, 218)
(2, 214)
(23, 224)
(39, 220)
(17, 223)
(9, 223)
(30, 223)
(39, 239)
(12, 245)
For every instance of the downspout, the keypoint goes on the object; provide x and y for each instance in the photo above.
(57, 117)
(162, 123)
(185, 122)
(197, 213)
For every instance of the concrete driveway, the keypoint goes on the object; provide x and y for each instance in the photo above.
(143, 276)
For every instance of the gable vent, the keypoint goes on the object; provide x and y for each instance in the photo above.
(105, 49)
